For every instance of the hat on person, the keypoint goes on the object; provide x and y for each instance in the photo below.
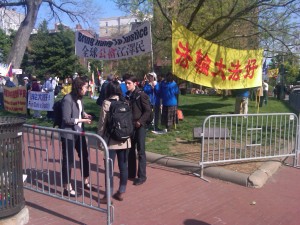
(25, 78)
(153, 75)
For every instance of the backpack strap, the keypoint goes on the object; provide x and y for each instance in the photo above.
(137, 99)
(106, 134)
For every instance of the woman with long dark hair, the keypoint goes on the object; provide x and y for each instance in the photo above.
(116, 148)
(73, 118)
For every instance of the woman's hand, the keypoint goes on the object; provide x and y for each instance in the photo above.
(88, 121)
(88, 116)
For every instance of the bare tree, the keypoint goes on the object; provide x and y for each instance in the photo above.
(76, 10)
(271, 24)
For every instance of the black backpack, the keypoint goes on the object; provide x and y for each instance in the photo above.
(56, 90)
(57, 111)
(119, 124)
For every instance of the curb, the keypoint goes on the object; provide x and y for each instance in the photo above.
(256, 180)
(260, 176)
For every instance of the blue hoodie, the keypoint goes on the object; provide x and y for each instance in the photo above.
(168, 93)
(153, 93)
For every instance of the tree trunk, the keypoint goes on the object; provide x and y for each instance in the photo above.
(23, 34)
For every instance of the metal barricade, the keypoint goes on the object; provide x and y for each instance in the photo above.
(11, 182)
(238, 137)
(42, 163)
(294, 101)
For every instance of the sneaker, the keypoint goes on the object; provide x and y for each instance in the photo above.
(139, 181)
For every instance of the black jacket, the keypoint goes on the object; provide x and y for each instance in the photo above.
(140, 105)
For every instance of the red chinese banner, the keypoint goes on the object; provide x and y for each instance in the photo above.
(15, 99)
(202, 62)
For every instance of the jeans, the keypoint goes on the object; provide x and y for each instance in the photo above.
(68, 157)
(122, 156)
(241, 105)
(137, 142)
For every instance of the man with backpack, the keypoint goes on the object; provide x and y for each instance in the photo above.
(141, 112)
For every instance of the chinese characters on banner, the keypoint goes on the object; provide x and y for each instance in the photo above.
(199, 61)
(41, 100)
(134, 43)
(273, 73)
(15, 99)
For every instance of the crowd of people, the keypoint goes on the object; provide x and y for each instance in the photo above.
(151, 96)
(154, 95)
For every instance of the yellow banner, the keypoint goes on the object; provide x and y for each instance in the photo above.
(273, 73)
(199, 61)
(15, 99)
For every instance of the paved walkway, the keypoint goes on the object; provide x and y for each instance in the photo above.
(172, 197)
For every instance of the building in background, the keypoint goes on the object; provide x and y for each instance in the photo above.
(10, 20)
(115, 26)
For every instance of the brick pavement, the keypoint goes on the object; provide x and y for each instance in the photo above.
(171, 197)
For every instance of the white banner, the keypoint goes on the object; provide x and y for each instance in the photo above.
(134, 43)
(17, 71)
(40, 100)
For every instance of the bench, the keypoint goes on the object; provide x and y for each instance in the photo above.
(209, 133)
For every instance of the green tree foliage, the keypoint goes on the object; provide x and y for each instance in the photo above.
(137, 66)
(5, 44)
(75, 10)
(52, 52)
(269, 24)
(288, 66)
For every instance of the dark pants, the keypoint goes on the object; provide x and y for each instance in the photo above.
(156, 116)
(50, 115)
(122, 156)
(137, 142)
(265, 99)
(68, 157)
(1, 101)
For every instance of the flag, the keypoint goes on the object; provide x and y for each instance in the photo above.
(265, 70)
(9, 72)
(99, 73)
(92, 86)
(273, 73)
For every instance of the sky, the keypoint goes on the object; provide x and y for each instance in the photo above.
(108, 9)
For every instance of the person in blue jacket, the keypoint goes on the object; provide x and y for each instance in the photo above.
(168, 92)
(123, 84)
(241, 101)
(151, 88)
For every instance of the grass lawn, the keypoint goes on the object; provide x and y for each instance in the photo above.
(195, 109)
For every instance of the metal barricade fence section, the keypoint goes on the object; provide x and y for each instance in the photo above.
(294, 101)
(236, 137)
(43, 163)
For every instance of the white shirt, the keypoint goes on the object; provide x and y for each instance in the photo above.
(80, 112)
(265, 86)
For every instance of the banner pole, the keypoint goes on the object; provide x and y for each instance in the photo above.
(152, 63)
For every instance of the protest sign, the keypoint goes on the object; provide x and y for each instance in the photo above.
(134, 43)
(202, 62)
(41, 100)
